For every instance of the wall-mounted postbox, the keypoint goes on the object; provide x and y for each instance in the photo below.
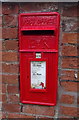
(38, 41)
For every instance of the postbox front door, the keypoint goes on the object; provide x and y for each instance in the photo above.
(38, 39)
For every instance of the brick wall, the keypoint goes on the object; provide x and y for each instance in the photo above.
(68, 81)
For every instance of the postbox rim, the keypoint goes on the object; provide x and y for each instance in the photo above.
(39, 13)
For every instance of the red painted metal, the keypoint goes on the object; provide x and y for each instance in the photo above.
(39, 33)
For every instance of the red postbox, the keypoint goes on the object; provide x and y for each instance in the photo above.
(38, 47)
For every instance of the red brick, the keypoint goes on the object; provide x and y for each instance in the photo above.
(9, 33)
(10, 68)
(45, 111)
(70, 25)
(9, 56)
(29, 109)
(68, 75)
(78, 100)
(71, 111)
(38, 6)
(41, 110)
(12, 89)
(0, 97)
(70, 38)
(70, 62)
(0, 106)
(13, 115)
(0, 66)
(0, 116)
(10, 79)
(4, 98)
(13, 98)
(67, 99)
(0, 33)
(0, 21)
(69, 51)
(0, 47)
(70, 86)
(10, 20)
(71, 11)
(4, 115)
(11, 107)
(0, 87)
(1, 8)
(1, 78)
(10, 8)
(10, 45)
(3, 88)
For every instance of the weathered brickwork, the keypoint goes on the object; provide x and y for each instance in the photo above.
(68, 80)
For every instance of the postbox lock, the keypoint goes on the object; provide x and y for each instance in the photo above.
(38, 55)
